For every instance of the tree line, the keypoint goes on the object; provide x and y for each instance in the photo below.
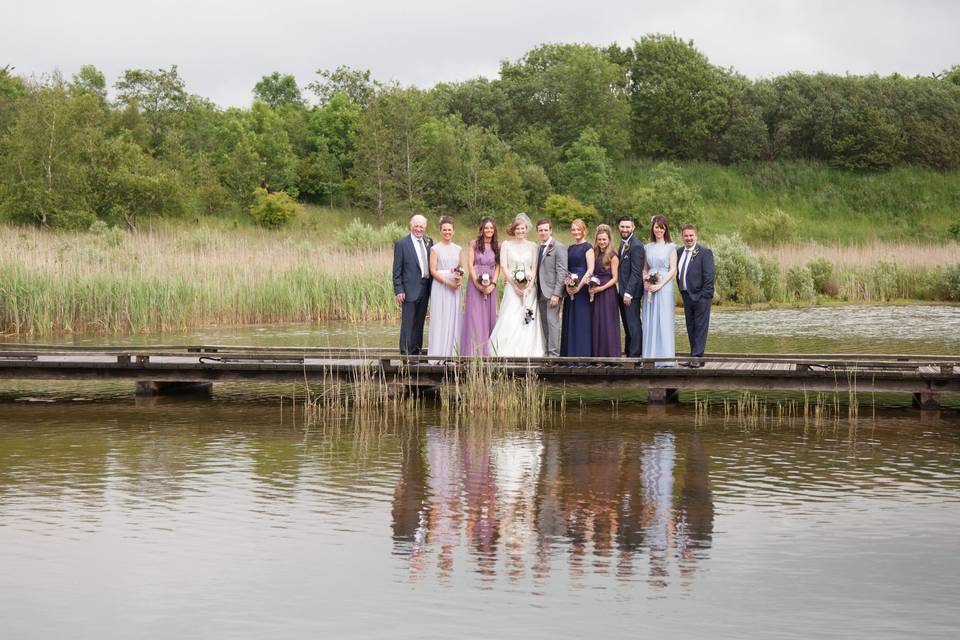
(546, 134)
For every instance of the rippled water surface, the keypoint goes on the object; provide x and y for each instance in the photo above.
(234, 517)
(223, 519)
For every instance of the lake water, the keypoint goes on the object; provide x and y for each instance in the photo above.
(235, 517)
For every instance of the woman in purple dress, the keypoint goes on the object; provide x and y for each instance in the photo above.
(576, 337)
(480, 314)
(445, 321)
(603, 292)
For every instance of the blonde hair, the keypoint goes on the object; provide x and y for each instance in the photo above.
(609, 252)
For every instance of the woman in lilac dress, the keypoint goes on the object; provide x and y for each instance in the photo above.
(445, 321)
(603, 292)
(480, 314)
(576, 337)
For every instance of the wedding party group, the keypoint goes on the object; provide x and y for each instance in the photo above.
(570, 301)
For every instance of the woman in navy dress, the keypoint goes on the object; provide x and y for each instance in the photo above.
(576, 337)
(606, 311)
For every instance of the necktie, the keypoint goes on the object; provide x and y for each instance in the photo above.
(543, 249)
(622, 246)
(422, 254)
(683, 270)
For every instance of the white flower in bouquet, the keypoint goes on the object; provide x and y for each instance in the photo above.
(520, 276)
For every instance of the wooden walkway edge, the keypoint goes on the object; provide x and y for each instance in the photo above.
(160, 369)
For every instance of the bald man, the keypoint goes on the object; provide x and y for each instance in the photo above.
(411, 284)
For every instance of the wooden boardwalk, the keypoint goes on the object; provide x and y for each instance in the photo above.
(160, 369)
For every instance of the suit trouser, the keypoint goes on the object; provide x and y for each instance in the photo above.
(632, 328)
(412, 319)
(550, 323)
(696, 313)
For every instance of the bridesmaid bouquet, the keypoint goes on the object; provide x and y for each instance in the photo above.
(592, 284)
(484, 281)
(653, 278)
(571, 282)
(457, 271)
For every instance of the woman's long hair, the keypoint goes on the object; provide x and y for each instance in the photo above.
(481, 241)
(609, 253)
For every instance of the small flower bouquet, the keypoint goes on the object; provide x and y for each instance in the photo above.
(520, 276)
(592, 284)
(653, 278)
(571, 282)
(527, 315)
(484, 280)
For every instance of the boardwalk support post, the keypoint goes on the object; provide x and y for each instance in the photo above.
(172, 388)
(926, 401)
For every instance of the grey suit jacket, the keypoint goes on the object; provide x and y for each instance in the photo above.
(552, 269)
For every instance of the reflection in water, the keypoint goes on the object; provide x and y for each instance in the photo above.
(603, 502)
(192, 515)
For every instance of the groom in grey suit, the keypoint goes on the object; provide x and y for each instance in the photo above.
(551, 272)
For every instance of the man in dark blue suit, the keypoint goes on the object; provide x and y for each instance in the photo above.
(630, 287)
(411, 284)
(695, 277)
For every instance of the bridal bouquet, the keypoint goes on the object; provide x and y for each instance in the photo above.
(520, 276)
(592, 284)
(653, 278)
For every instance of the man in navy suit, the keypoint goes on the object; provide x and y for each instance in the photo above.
(630, 287)
(411, 284)
(695, 277)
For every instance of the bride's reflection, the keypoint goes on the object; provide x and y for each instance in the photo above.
(594, 501)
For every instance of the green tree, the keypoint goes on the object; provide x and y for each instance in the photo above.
(278, 91)
(567, 88)
(678, 99)
(587, 170)
(278, 163)
(159, 94)
(355, 84)
(91, 80)
(46, 155)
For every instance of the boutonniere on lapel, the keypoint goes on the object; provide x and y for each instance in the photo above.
(548, 249)
(694, 254)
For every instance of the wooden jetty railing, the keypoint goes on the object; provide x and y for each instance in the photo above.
(172, 368)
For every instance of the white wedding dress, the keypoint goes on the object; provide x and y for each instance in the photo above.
(517, 334)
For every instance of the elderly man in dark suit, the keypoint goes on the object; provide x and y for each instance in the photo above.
(630, 287)
(411, 284)
(696, 274)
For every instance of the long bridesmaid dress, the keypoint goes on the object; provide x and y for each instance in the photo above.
(576, 335)
(445, 314)
(658, 308)
(606, 315)
(480, 314)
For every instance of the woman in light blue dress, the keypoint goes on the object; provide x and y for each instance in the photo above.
(658, 300)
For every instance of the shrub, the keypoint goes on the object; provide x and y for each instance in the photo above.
(821, 270)
(799, 284)
(668, 195)
(951, 282)
(360, 235)
(883, 280)
(563, 210)
(737, 266)
(773, 227)
(108, 236)
(273, 210)
(954, 229)
(72, 220)
(771, 278)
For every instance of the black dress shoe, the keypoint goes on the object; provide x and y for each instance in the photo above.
(697, 364)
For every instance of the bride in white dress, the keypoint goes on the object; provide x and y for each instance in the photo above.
(517, 332)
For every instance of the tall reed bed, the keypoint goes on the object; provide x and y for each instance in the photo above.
(154, 282)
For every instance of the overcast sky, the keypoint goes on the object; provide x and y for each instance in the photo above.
(222, 47)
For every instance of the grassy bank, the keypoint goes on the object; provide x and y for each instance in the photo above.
(830, 206)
